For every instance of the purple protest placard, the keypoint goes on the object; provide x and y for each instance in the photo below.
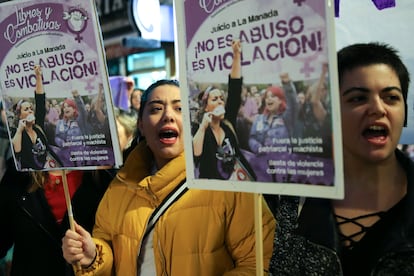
(55, 86)
(262, 113)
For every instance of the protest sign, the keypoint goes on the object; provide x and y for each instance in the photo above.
(280, 130)
(54, 86)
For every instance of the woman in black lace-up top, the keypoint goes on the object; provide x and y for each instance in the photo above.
(370, 231)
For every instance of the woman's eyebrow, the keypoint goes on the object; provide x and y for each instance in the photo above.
(366, 90)
(156, 102)
(162, 102)
(391, 88)
(355, 89)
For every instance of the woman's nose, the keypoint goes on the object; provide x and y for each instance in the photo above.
(169, 114)
(377, 107)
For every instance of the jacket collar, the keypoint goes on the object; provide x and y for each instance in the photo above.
(136, 172)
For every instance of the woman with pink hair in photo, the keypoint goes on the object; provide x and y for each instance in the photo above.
(71, 128)
(277, 119)
(71, 125)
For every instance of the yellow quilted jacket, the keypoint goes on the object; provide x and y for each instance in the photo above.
(203, 233)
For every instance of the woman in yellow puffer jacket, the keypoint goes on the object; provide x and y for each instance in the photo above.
(202, 233)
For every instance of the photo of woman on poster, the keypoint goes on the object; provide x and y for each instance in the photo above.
(215, 143)
(30, 143)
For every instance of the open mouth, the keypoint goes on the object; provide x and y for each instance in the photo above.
(168, 134)
(375, 132)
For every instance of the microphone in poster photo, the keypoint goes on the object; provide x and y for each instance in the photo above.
(30, 143)
(215, 139)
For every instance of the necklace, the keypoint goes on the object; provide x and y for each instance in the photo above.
(53, 181)
(58, 180)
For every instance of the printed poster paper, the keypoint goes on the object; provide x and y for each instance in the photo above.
(287, 53)
(72, 124)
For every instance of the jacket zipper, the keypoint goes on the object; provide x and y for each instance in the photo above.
(153, 196)
(162, 256)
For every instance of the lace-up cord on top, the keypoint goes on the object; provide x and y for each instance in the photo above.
(348, 242)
